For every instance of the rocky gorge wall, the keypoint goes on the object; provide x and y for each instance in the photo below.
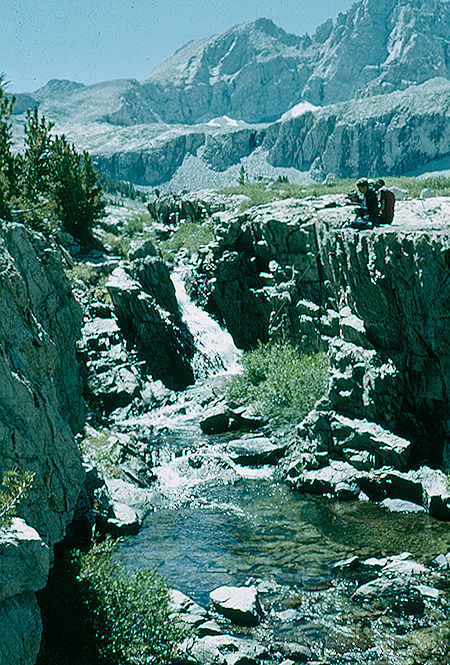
(41, 408)
(377, 301)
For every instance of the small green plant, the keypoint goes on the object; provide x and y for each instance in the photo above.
(189, 236)
(118, 245)
(88, 274)
(137, 223)
(15, 486)
(279, 381)
(105, 453)
(95, 612)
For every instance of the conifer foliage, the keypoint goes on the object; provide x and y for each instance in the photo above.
(49, 184)
(7, 161)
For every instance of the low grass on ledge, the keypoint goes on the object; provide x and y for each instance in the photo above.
(261, 193)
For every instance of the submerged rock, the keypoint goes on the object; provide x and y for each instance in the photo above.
(227, 650)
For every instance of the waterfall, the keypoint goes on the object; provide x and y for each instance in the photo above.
(215, 350)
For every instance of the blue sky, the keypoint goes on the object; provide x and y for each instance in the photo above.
(99, 40)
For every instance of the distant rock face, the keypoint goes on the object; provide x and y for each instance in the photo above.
(375, 47)
(40, 386)
(385, 134)
(388, 134)
(256, 73)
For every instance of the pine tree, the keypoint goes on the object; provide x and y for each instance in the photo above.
(76, 193)
(36, 161)
(49, 184)
(7, 159)
(242, 176)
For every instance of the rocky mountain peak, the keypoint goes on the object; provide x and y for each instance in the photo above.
(256, 73)
(56, 87)
(224, 54)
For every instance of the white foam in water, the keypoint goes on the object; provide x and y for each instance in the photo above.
(216, 351)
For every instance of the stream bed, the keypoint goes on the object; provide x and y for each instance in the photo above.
(209, 522)
(213, 528)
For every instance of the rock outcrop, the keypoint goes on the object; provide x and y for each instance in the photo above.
(40, 385)
(24, 568)
(378, 302)
(41, 408)
(144, 302)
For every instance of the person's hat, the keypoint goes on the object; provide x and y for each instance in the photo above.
(362, 181)
(379, 183)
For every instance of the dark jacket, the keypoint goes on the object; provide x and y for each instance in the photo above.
(370, 203)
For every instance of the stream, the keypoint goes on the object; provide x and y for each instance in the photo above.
(210, 522)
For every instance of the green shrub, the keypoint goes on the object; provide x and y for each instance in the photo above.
(118, 245)
(95, 613)
(189, 236)
(257, 194)
(88, 274)
(262, 193)
(15, 487)
(279, 381)
(137, 223)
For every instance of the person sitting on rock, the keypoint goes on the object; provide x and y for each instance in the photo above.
(386, 200)
(367, 212)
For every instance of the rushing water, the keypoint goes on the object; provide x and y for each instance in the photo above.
(221, 524)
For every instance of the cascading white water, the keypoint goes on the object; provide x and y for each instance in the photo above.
(173, 426)
(215, 349)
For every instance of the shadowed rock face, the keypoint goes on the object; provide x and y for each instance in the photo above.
(147, 312)
(41, 407)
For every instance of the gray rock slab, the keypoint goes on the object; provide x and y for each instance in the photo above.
(255, 451)
(21, 626)
(24, 560)
(354, 433)
(125, 521)
(397, 595)
(209, 628)
(239, 604)
(401, 506)
(294, 651)
(191, 614)
(435, 491)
